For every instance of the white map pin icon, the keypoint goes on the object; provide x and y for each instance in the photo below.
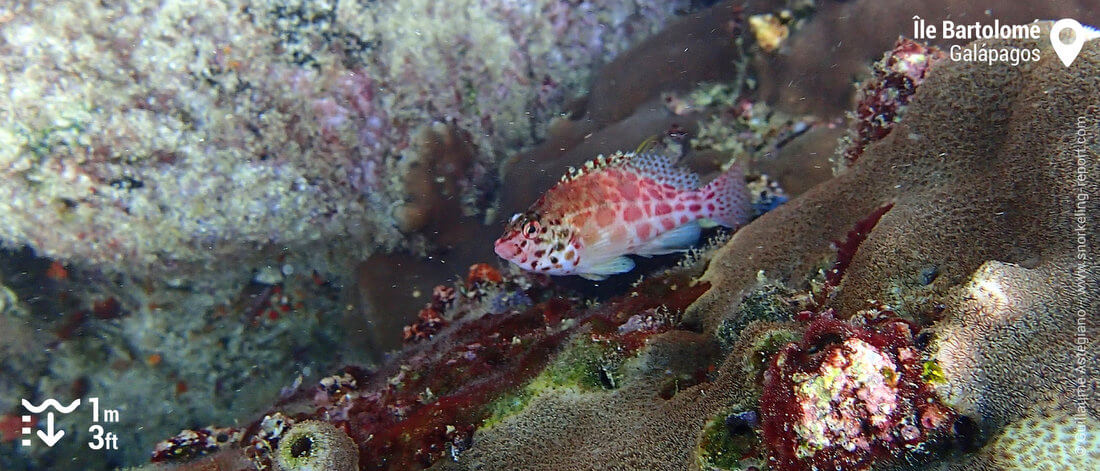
(1068, 52)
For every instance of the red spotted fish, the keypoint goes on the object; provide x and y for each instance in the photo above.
(637, 203)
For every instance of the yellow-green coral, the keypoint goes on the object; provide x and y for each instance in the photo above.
(932, 372)
(316, 446)
(583, 365)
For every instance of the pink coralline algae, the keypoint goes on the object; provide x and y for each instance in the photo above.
(847, 397)
(881, 100)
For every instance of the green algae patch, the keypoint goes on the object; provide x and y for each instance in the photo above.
(932, 373)
(768, 302)
(506, 406)
(766, 345)
(722, 448)
(584, 365)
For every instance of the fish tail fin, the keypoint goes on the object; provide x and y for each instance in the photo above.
(730, 195)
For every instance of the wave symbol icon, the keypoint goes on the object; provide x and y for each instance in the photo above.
(50, 403)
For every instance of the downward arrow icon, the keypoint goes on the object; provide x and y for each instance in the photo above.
(50, 437)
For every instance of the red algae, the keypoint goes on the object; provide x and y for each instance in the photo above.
(482, 273)
(427, 402)
(847, 249)
(847, 396)
(882, 99)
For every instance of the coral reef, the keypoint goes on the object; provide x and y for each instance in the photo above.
(926, 307)
(913, 219)
(1001, 318)
(990, 264)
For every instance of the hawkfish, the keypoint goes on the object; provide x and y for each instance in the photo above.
(638, 203)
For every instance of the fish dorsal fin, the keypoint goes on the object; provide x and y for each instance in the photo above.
(597, 164)
(656, 166)
(662, 168)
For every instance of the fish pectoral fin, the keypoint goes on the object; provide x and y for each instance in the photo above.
(675, 240)
(620, 264)
(707, 223)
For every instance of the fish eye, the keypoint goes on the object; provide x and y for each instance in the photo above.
(530, 229)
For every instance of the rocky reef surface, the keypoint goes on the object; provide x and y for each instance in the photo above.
(920, 301)
(186, 185)
(187, 138)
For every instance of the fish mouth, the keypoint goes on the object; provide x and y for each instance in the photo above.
(505, 250)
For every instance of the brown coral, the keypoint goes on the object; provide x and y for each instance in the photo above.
(1010, 341)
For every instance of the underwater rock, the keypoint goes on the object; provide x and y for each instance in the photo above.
(21, 347)
(163, 358)
(658, 64)
(845, 396)
(163, 156)
(133, 144)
